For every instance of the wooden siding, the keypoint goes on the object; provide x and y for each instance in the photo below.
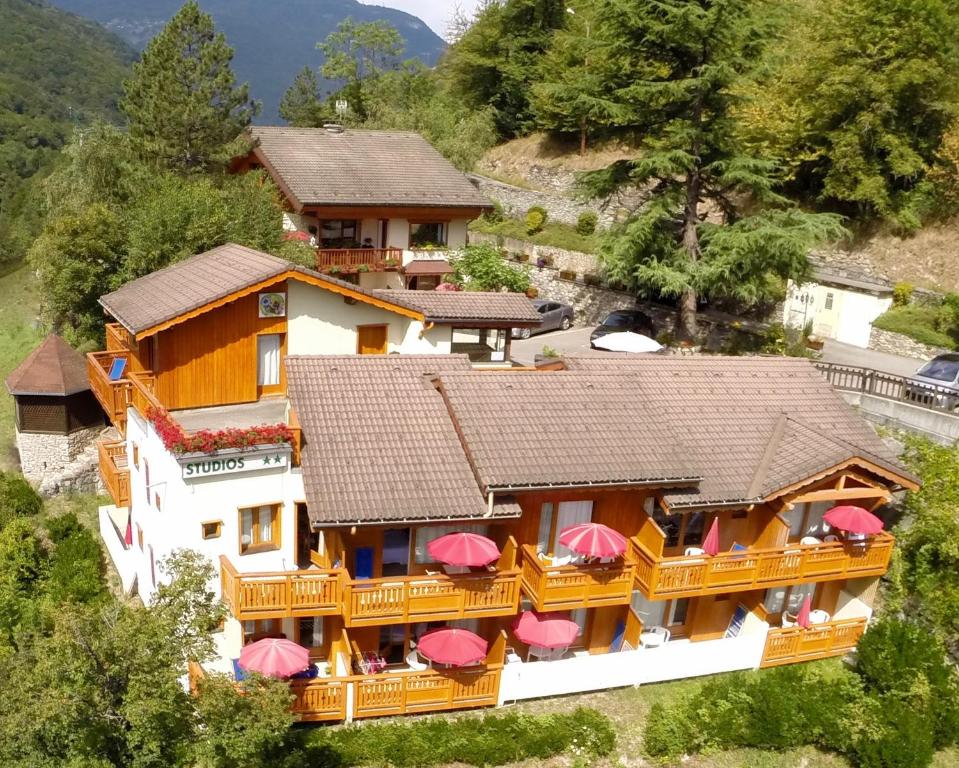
(212, 359)
(834, 638)
(663, 577)
(566, 587)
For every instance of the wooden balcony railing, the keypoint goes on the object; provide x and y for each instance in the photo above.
(319, 699)
(114, 471)
(113, 396)
(438, 597)
(116, 337)
(660, 577)
(275, 595)
(141, 392)
(353, 257)
(567, 587)
(787, 646)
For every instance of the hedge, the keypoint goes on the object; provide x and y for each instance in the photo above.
(916, 322)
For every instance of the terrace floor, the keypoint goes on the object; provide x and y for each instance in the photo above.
(240, 415)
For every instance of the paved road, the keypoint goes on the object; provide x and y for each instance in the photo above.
(565, 342)
(844, 354)
(577, 340)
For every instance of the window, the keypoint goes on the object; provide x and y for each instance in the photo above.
(788, 599)
(829, 298)
(339, 233)
(257, 629)
(309, 631)
(211, 529)
(545, 527)
(139, 537)
(156, 501)
(146, 478)
(650, 611)
(136, 455)
(427, 533)
(268, 347)
(423, 234)
(678, 611)
(259, 529)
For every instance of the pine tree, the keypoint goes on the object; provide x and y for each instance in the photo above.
(301, 106)
(182, 102)
(668, 74)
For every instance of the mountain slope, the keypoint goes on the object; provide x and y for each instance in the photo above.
(273, 39)
(56, 71)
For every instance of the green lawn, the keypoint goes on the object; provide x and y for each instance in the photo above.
(555, 233)
(19, 308)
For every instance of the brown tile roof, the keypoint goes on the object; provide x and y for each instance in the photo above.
(53, 368)
(355, 167)
(379, 443)
(750, 426)
(464, 306)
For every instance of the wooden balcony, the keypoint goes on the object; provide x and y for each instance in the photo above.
(319, 699)
(662, 577)
(142, 398)
(438, 597)
(114, 471)
(390, 258)
(834, 638)
(567, 587)
(113, 396)
(281, 594)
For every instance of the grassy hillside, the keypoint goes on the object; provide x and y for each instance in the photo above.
(57, 72)
(18, 335)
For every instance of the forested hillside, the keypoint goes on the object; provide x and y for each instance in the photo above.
(273, 40)
(56, 72)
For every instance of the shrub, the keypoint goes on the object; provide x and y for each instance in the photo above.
(495, 214)
(902, 294)
(919, 323)
(901, 737)
(17, 498)
(535, 221)
(669, 731)
(586, 223)
(482, 268)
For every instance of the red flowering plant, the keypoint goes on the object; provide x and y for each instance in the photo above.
(178, 441)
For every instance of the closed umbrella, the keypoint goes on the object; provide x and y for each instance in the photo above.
(627, 341)
(457, 647)
(711, 542)
(275, 657)
(463, 549)
(593, 540)
(802, 619)
(547, 630)
(853, 519)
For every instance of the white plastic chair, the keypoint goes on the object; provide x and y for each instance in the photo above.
(694, 552)
(661, 634)
(413, 661)
(809, 541)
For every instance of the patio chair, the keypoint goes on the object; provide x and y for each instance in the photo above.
(413, 661)
(539, 653)
(662, 636)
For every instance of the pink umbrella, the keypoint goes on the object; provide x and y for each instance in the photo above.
(853, 519)
(547, 630)
(711, 542)
(593, 540)
(463, 549)
(302, 236)
(457, 647)
(275, 657)
(802, 619)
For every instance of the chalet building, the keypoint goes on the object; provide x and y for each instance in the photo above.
(383, 208)
(317, 469)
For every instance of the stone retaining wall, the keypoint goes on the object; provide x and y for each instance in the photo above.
(902, 345)
(573, 261)
(516, 201)
(60, 463)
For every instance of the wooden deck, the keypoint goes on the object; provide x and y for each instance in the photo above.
(567, 587)
(662, 577)
(392, 258)
(114, 471)
(788, 646)
(280, 594)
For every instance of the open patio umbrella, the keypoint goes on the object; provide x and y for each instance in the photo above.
(547, 630)
(449, 645)
(853, 519)
(463, 548)
(627, 341)
(711, 542)
(802, 618)
(275, 657)
(593, 540)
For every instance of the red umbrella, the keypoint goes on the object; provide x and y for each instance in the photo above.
(302, 236)
(593, 540)
(458, 647)
(463, 549)
(853, 519)
(547, 630)
(275, 657)
(802, 619)
(711, 542)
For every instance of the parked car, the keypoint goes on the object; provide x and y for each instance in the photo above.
(555, 316)
(623, 320)
(936, 383)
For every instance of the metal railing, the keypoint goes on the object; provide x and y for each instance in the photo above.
(852, 379)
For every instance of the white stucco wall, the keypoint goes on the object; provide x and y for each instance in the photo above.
(185, 504)
(373, 280)
(398, 234)
(456, 235)
(848, 320)
(856, 599)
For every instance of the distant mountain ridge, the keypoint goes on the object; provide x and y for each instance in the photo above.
(273, 39)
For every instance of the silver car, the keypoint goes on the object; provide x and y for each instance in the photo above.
(556, 316)
(936, 384)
